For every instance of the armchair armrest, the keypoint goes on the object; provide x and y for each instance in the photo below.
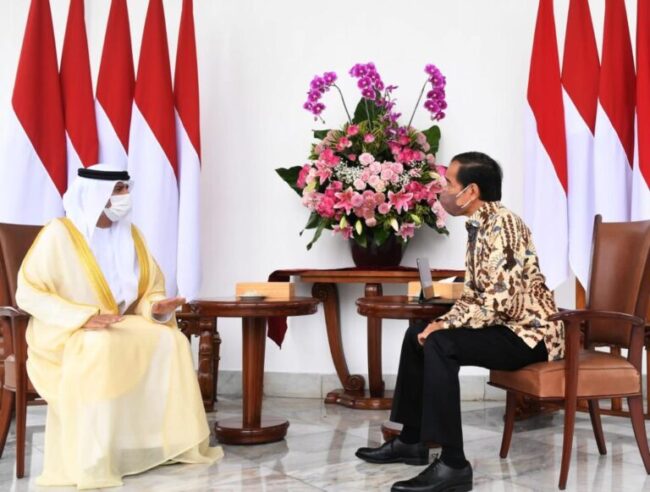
(13, 312)
(580, 315)
(13, 331)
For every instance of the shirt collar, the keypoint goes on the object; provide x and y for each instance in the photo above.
(482, 215)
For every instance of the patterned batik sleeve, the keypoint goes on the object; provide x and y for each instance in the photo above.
(501, 276)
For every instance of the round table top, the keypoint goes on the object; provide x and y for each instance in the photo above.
(402, 307)
(235, 307)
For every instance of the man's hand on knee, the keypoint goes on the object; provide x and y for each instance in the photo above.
(431, 327)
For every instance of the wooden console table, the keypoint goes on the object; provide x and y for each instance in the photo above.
(354, 393)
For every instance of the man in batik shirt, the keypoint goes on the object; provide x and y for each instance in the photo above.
(500, 322)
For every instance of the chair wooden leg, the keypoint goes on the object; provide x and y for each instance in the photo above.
(6, 411)
(638, 424)
(570, 405)
(21, 425)
(509, 424)
(594, 413)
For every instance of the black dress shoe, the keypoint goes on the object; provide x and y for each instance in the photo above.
(438, 477)
(395, 451)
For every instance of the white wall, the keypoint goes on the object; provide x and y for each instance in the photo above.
(256, 59)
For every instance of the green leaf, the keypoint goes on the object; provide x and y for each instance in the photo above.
(317, 234)
(381, 235)
(362, 240)
(290, 176)
(361, 113)
(320, 134)
(433, 137)
(313, 220)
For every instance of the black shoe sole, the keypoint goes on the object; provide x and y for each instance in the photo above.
(461, 487)
(406, 461)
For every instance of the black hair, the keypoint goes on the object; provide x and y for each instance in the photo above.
(482, 170)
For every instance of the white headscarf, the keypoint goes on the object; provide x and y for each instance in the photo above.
(84, 203)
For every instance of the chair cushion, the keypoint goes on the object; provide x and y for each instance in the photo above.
(599, 374)
(10, 375)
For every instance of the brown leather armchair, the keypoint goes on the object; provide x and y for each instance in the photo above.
(15, 241)
(615, 316)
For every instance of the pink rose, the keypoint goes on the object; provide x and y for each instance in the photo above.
(369, 138)
(353, 130)
(352, 157)
(359, 184)
(384, 208)
(371, 222)
(366, 159)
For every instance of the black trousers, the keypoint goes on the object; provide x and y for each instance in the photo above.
(427, 391)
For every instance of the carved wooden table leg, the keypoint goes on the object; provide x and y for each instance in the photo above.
(252, 428)
(216, 350)
(353, 384)
(207, 328)
(379, 399)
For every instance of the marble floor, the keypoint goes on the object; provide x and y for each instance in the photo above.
(318, 454)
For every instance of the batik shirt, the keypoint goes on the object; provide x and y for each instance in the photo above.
(503, 282)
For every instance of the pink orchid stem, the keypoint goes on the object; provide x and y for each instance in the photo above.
(343, 101)
(417, 103)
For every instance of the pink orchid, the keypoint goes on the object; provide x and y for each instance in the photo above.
(400, 200)
(368, 138)
(353, 130)
(366, 159)
(406, 231)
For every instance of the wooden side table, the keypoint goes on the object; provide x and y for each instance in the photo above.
(401, 307)
(354, 393)
(252, 428)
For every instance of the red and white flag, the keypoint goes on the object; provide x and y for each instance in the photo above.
(614, 135)
(580, 73)
(641, 172)
(545, 181)
(33, 167)
(152, 147)
(188, 138)
(77, 93)
(115, 86)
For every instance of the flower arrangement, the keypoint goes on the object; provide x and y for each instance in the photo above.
(373, 177)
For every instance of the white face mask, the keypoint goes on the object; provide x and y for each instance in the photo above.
(120, 206)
